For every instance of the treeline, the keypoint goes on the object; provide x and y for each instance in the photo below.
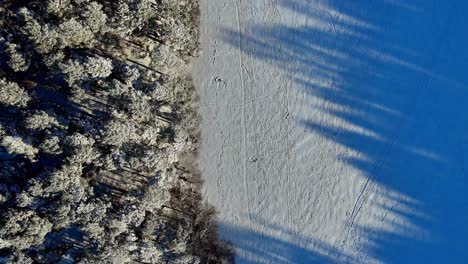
(99, 133)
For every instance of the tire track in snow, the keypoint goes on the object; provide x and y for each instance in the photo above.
(244, 130)
(288, 158)
(274, 14)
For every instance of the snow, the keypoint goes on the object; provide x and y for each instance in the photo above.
(336, 131)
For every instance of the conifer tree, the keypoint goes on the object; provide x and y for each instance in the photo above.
(96, 112)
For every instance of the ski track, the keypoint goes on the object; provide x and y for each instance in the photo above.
(325, 139)
(244, 130)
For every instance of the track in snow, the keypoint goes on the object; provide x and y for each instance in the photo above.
(336, 131)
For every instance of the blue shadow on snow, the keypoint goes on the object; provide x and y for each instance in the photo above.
(398, 71)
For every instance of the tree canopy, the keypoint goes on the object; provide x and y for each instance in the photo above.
(96, 110)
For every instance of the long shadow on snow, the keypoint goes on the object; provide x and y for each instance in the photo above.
(392, 77)
(262, 248)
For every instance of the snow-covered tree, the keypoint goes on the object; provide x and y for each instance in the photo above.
(17, 60)
(96, 117)
(95, 18)
(82, 149)
(16, 146)
(11, 94)
(51, 145)
(44, 36)
(41, 120)
(23, 229)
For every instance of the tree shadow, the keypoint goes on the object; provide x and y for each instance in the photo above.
(274, 245)
(387, 81)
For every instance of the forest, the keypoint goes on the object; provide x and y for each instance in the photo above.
(99, 134)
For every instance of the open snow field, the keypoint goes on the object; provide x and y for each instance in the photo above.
(337, 131)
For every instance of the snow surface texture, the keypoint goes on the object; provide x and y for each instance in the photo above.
(337, 131)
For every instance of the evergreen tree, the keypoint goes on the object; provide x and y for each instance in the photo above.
(96, 115)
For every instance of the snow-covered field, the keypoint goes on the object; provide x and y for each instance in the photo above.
(337, 131)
